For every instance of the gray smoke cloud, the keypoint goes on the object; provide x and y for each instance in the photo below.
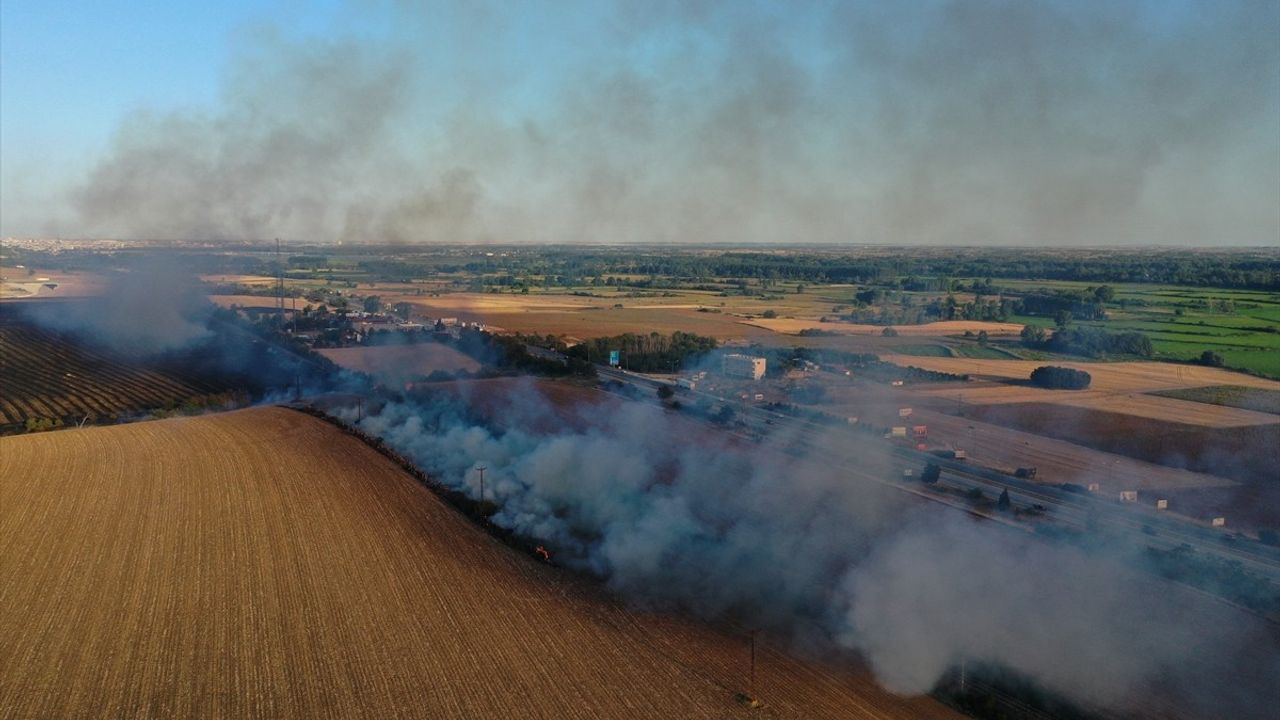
(930, 122)
(669, 516)
(150, 307)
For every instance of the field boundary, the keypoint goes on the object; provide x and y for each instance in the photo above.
(472, 509)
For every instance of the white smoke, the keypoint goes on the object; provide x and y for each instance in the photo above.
(668, 514)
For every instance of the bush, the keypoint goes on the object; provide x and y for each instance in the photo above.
(1212, 359)
(769, 314)
(889, 332)
(665, 392)
(1060, 378)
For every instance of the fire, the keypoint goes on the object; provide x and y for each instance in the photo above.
(543, 553)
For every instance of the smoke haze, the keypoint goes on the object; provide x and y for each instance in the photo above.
(149, 308)
(670, 516)
(1031, 123)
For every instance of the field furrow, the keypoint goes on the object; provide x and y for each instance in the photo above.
(262, 563)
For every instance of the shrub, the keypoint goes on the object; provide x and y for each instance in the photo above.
(889, 332)
(1212, 359)
(1060, 378)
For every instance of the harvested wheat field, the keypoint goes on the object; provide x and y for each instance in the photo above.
(1119, 387)
(792, 326)
(17, 284)
(263, 563)
(255, 301)
(398, 363)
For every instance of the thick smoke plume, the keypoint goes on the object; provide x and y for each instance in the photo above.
(944, 121)
(148, 308)
(668, 515)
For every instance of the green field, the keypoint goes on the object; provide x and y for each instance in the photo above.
(1248, 338)
(923, 350)
(988, 352)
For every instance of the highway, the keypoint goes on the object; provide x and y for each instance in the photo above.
(1084, 512)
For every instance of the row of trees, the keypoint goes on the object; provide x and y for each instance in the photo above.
(1087, 341)
(652, 352)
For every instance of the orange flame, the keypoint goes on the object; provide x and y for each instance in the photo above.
(543, 553)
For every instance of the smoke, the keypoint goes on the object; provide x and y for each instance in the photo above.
(941, 122)
(150, 308)
(672, 514)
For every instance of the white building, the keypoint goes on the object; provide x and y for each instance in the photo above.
(744, 366)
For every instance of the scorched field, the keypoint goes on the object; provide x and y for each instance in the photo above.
(263, 563)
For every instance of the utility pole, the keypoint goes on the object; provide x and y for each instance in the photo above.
(480, 469)
(279, 287)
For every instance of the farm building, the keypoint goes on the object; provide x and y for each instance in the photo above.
(744, 366)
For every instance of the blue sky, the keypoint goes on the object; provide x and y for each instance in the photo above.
(1084, 122)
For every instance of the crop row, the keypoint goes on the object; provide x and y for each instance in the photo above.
(43, 376)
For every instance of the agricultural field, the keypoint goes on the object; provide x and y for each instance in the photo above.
(263, 563)
(580, 318)
(1005, 381)
(396, 364)
(936, 329)
(20, 283)
(1183, 322)
(1236, 396)
(44, 377)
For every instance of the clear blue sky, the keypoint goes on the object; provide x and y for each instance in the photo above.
(1070, 121)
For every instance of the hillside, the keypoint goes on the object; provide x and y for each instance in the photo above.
(262, 563)
(45, 376)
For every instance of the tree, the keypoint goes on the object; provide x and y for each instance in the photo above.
(932, 471)
(982, 337)
(769, 314)
(1033, 335)
(1104, 293)
(1212, 359)
(665, 392)
(725, 415)
(889, 332)
(1060, 378)
(1062, 319)
(1003, 503)
(372, 304)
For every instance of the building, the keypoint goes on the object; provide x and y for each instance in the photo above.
(744, 366)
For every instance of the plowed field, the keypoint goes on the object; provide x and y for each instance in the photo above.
(262, 563)
(44, 376)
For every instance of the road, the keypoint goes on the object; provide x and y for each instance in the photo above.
(1084, 512)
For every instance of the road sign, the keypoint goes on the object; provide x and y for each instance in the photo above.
(615, 357)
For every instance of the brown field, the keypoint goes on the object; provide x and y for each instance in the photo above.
(792, 326)
(266, 280)
(1058, 461)
(1249, 453)
(1116, 388)
(398, 363)
(254, 301)
(262, 563)
(16, 284)
(44, 376)
(580, 318)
